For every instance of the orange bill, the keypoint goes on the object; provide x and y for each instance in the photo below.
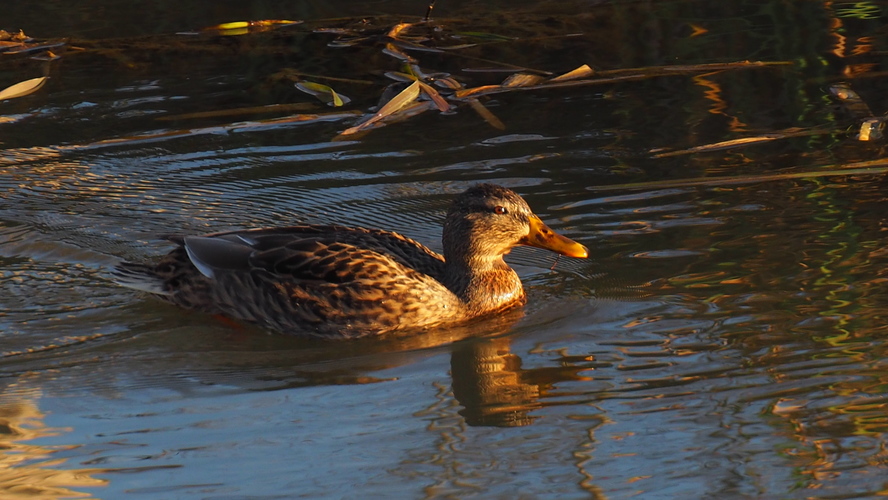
(541, 236)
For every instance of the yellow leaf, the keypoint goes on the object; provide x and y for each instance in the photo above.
(583, 71)
(337, 101)
(405, 97)
(311, 87)
(323, 92)
(23, 88)
(400, 101)
(398, 28)
(871, 129)
(231, 26)
(402, 114)
(244, 27)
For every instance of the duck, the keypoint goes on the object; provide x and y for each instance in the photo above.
(338, 282)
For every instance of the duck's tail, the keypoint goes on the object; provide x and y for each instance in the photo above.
(139, 277)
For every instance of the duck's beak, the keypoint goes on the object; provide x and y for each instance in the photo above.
(541, 236)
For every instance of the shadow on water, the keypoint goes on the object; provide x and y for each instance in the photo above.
(725, 339)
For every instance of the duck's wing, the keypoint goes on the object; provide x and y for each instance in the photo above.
(333, 254)
(331, 280)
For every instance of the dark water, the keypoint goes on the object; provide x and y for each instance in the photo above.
(725, 339)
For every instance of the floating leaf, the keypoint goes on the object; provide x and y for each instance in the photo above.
(433, 94)
(583, 71)
(15, 37)
(231, 26)
(402, 114)
(578, 77)
(400, 101)
(448, 83)
(871, 129)
(746, 141)
(323, 93)
(483, 90)
(48, 56)
(398, 28)
(243, 27)
(405, 97)
(23, 88)
(397, 53)
(523, 80)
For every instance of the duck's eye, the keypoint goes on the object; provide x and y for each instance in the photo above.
(500, 210)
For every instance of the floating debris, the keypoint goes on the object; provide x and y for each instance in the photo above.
(24, 88)
(324, 93)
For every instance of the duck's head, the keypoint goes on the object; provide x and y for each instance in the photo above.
(487, 220)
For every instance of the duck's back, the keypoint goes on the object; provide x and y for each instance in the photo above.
(309, 280)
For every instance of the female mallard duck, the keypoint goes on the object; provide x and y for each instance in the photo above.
(334, 281)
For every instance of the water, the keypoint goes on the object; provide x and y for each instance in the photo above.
(725, 338)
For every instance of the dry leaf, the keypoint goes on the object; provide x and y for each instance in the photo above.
(439, 101)
(483, 90)
(583, 71)
(23, 88)
(448, 83)
(522, 80)
(397, 29)
(402, 114)
(400, 101)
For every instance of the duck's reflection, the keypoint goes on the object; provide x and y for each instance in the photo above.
(486, 377)
(487, 383)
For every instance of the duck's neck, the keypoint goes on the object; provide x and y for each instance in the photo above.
(484, 285)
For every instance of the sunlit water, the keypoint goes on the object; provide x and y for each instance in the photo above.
(725, 339)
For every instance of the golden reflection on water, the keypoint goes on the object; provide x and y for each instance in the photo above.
(28, 470)
(487, 382)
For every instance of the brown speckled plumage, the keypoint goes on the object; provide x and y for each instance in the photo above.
(340, 282)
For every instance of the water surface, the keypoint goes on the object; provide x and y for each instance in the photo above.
(725, 338)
